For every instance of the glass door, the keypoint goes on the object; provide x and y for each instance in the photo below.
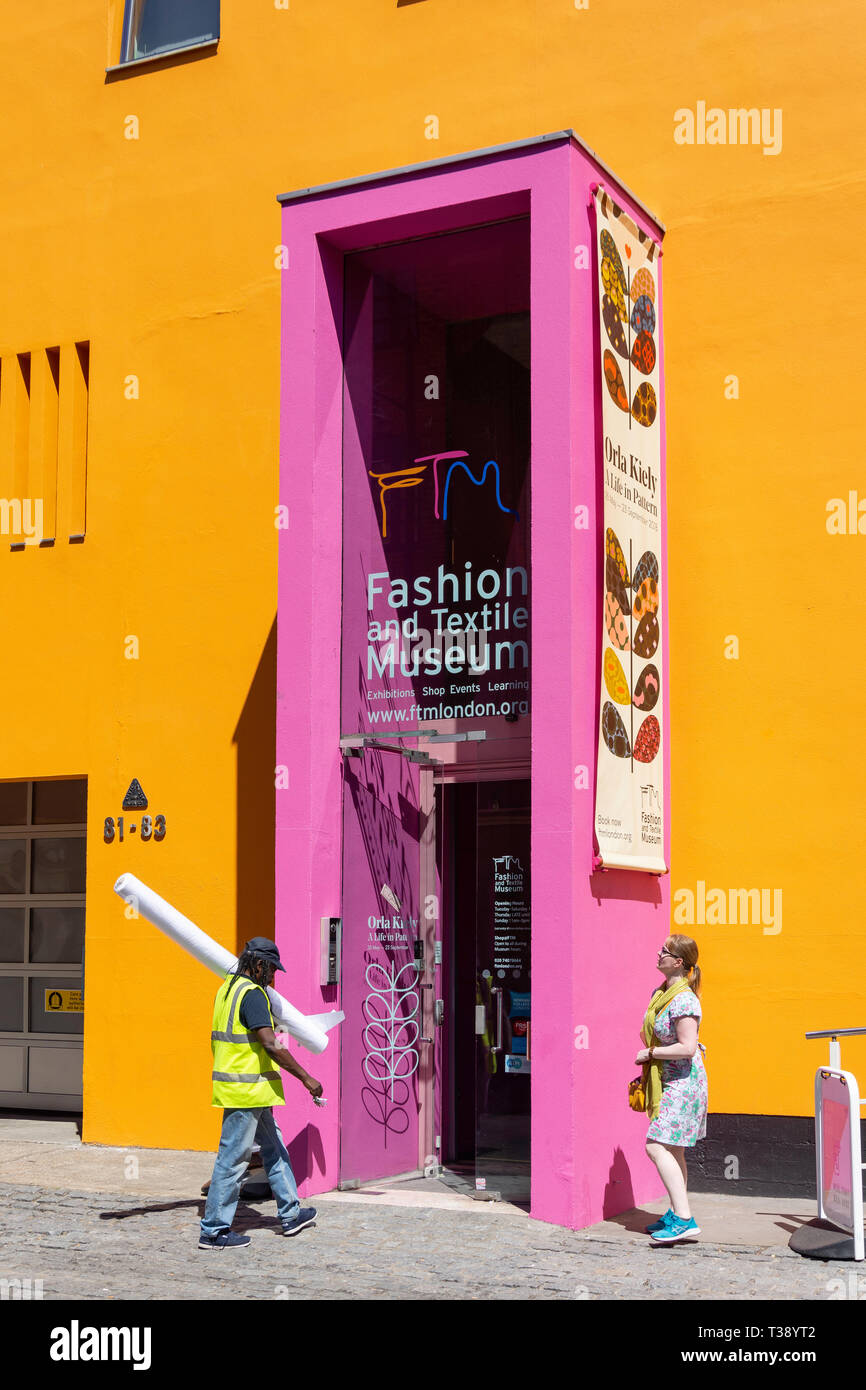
(503, 990)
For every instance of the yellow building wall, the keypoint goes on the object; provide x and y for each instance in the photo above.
(159, 250)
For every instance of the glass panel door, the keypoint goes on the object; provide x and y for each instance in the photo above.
(503, 985)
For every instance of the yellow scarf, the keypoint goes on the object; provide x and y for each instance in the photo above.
(652, 1072)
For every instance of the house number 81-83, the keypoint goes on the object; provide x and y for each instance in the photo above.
(151, 826)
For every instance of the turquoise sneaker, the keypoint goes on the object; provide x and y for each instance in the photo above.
(661, 1223)
(676, 1229)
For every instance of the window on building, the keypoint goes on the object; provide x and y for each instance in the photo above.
(151, 27)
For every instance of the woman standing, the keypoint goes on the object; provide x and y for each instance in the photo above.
(675, 1081)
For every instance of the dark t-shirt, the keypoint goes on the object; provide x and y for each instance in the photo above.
(253, 1011)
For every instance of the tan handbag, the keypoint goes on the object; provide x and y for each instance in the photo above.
(637, 1093)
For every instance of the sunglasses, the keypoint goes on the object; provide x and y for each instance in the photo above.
(665, 952)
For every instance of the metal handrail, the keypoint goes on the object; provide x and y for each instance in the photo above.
(837, 1033)
(834, 1034)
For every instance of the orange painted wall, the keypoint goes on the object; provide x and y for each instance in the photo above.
(160, 251)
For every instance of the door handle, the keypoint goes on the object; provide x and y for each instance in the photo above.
(497, 1046)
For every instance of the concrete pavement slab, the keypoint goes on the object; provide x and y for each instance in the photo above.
(20, 1125)
(724, 1219)
(56, 1161)
(105, 1246)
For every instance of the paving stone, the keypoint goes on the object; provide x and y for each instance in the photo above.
(101, 1246)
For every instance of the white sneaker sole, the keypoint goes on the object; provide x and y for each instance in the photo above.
(663, 1238)
(295, 1229)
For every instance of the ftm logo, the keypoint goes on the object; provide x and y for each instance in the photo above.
(22, 518)
(736, 126)
(506, 863)
(650, 800)
(451, 460)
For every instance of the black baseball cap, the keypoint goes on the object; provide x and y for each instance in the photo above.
(261, 946)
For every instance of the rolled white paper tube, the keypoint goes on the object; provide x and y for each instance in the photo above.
(311, 1032)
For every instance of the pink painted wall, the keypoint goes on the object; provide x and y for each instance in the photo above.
(589, 1152)
(594, 935)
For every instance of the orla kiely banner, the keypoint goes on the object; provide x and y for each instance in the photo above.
(629, 804)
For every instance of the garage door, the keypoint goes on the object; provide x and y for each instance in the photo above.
(42, 880)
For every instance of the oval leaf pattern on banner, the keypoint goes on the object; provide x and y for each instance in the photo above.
(643, 352)
(646, 745)
(615, 383)
(610, 253)
(646, 598)
(643, 407)
(615, 583)
(615, 622)
(647, 567)
(646, 692)
(615, 735)
(643, 316)
(614, 552)
(646, 639)
(614, 679)
(612, 320)
(615, 291)
(642, 284)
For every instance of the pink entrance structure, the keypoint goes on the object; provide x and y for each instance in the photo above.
(365, 828)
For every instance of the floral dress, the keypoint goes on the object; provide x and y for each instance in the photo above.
(682, 1117)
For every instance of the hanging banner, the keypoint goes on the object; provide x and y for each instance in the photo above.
(629, 806)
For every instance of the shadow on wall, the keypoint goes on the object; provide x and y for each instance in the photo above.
(306, 1153)
(255, 738)
(618, 1191)
(626, 887)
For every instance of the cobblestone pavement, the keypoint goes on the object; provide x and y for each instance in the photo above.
(101, 1246)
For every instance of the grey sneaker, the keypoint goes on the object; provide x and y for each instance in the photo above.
(305, 1217)
(226, 1240)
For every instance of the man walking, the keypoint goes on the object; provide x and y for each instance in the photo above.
(247, 1084)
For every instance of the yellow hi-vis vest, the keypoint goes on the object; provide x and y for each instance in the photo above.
(244, 1076)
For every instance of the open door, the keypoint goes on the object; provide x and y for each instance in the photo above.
(503, 1028)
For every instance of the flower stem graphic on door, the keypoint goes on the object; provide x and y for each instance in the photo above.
(392, 1028)
(641, 605)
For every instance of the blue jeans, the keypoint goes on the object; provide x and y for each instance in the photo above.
(241, 1129)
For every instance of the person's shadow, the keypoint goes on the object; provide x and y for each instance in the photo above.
(618, 1206)
(247, 1218)
(306, 1154)
(618, 1190)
